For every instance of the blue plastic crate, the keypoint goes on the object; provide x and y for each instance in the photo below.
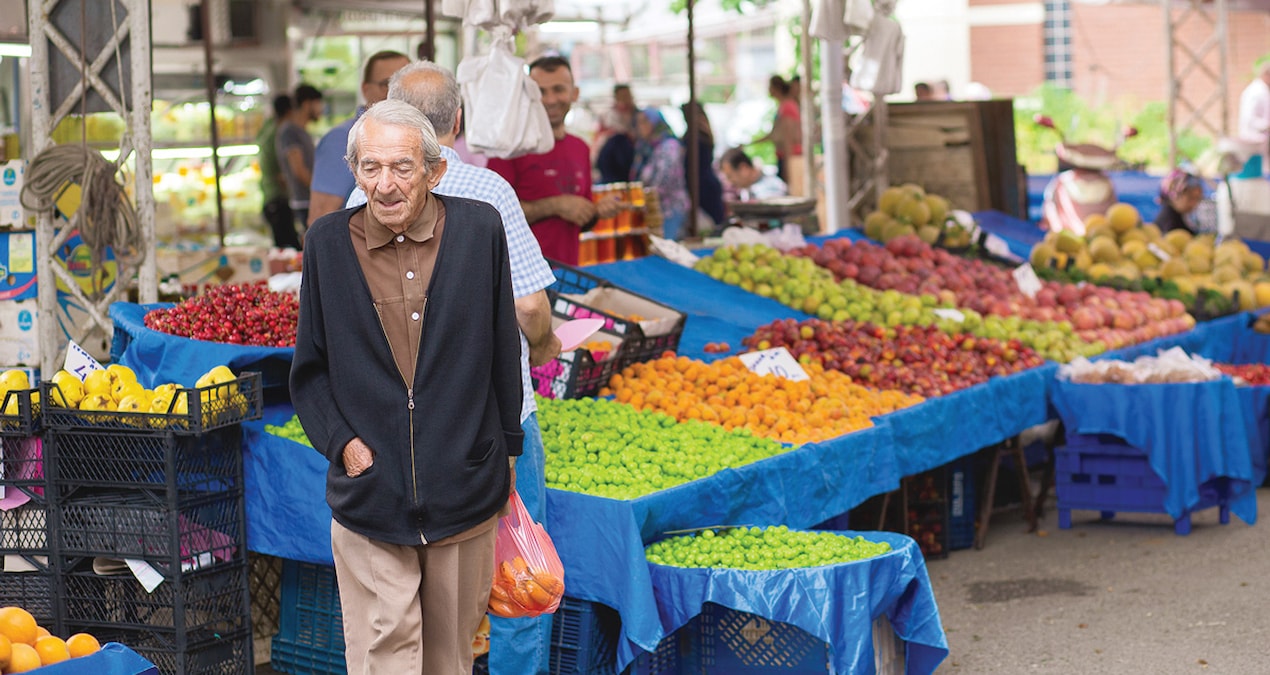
(724, 641)
(584, 638)
(1102, 473)
(310, 637)
(962, 503)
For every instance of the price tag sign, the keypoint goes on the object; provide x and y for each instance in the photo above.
(1158, 252)
(777, 361)
(147, 575)
(946, 313)
(1025, 277)
(79, 362)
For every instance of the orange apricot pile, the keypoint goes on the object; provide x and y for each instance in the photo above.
(726, 393)
(25, 645)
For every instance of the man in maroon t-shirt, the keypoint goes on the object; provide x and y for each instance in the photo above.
(555, 187)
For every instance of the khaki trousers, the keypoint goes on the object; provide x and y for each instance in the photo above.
(411, 609)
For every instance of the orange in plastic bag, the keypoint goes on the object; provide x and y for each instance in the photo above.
(528, 576)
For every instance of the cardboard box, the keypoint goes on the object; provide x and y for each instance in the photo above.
(11, 211)
(655, 319)
(20, 333)
(17, 264)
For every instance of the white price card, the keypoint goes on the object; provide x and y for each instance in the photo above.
(776, 361)
(79, 362)
(946, 313)
(1159, 252)
(147, 575)
(1025, 277)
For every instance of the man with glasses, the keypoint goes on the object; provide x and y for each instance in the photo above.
(409, 384)
(332, 181)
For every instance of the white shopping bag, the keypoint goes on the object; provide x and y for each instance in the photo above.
(503, 107)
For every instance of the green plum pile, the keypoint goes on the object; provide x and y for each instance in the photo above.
(768, 548)
(610, 449)
(291, 431)
(798, 282)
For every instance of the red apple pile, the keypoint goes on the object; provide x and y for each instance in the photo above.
(909, 265)
(914, 359)
(1256, 374)
(240, 314)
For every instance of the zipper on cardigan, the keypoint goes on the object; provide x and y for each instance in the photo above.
(410, 406)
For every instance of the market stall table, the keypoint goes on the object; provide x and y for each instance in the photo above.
(835, 603)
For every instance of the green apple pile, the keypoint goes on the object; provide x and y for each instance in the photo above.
(768, 548)
(610, 449)
(291, 431)
(800, 283)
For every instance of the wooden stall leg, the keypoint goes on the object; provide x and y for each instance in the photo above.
(989, 495)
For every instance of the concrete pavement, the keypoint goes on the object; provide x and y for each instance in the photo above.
(1119, 596)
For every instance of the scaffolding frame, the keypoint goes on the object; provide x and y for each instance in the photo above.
(1187, 63)
(46, 114)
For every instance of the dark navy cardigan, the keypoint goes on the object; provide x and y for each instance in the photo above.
(467, 389)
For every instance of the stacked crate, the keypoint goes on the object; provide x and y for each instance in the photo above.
(27, 580)
(148, 527)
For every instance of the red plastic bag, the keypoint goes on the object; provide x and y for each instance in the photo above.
(528, 576)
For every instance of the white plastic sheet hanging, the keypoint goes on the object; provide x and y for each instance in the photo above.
(881, 65)
(857, 16)
(827, 21)
(487, 15)
(503, 107)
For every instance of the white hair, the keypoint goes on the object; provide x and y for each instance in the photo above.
(401, 114)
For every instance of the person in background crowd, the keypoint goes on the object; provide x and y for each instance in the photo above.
(517, 646)
(1254, 119)
(940, 91)
(709, 189)
(555, 187)
(659, 165)
(419, 427)
(618, 119)
(740, 172)
(332, 181)
(923, 92)
(1180, 193)
(613, 162)
(787, 133)
(273, 187)
(294, 146)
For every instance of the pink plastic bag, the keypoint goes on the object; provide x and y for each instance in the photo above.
(528, 576)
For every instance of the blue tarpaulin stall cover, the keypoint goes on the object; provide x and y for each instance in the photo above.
(1192, 433)
(836, 603)
(112, 659)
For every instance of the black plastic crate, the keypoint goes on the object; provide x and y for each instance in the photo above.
(211, 407)
(576, 373)
(23, 418)
(22, 464)
(195, 654)
(637, 345)
(195, 534)
(214, 600)
(962, 502)
(36, 592)
(208, 462)
(584, 638)
(24, 530)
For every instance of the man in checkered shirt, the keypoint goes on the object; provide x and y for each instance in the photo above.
(516, 645)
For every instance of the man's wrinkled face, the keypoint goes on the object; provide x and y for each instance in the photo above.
(558, 92)
(390, 170)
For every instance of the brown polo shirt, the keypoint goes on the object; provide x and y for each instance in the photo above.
(398, 268)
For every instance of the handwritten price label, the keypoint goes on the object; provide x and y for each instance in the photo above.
(1025, 277)
(945, 313)
(79, 362)
(776, 361)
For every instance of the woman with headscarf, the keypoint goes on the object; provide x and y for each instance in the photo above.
(659, 165)
(1180, 193)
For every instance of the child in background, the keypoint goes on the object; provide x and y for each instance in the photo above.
(1180, 193)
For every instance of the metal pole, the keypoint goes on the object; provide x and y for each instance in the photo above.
(209, 80)
(1171, 69)
(834, 138)
(429, 33)
(694, 134)
(1223, 53)
(807, 110)
(142, 143)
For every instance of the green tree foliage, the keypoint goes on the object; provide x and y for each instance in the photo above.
(1080, 122)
